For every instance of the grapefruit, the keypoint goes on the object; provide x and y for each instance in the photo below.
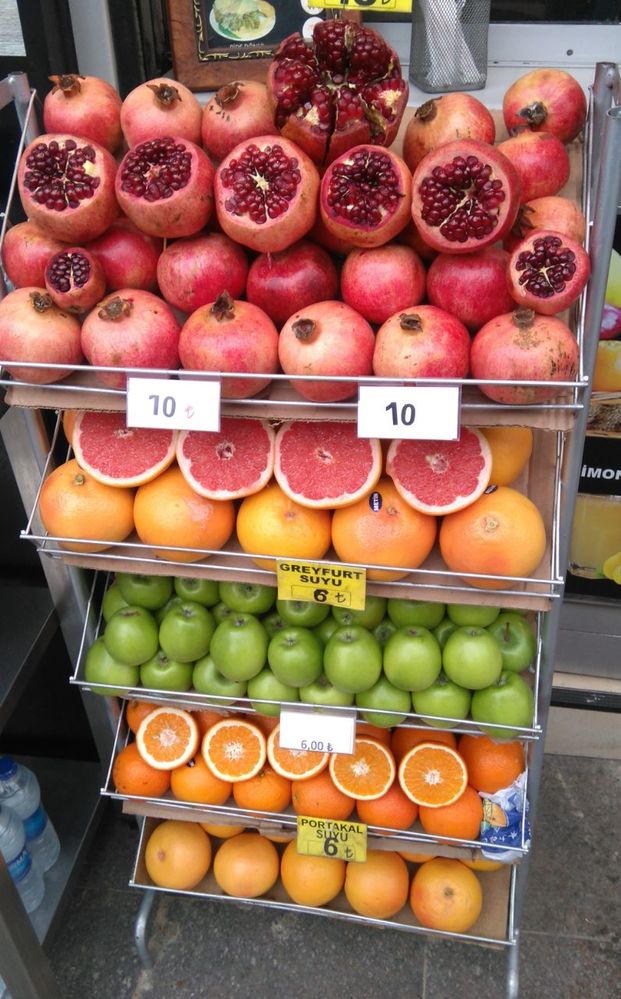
(118, 455)
(446, 895)
(178, 855)
(235, 461)
(438, 477)
(325, 465)
(270, 523)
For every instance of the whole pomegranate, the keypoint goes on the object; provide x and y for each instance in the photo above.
(25, 252)
(231, 336)
(128, 256)
(465, 196)
(541, 161)
(327, 339)
(130, 329)
(383, 280)
(365, 196)
(75, 280)
(283, 283)
(165, 186)
(66, 186)
(237, 111)
(266, 194)
(445, 119)
(553, 212)
(195, 271)
(84, 106)
(410, 236)
(319, 234)
(547, 272)
(472, 286)
(34, 330)
(422, 342)
(159, 108)
(548, 100)
(523, 346)
(342, 89)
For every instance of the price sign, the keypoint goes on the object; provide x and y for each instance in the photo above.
(389, 6)
(317, 731)
(322, 583)
(173, 405)
(342, 840)
(429, 413)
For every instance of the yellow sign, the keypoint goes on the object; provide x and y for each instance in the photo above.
(322, 583)
(390, 6)
(332, 838)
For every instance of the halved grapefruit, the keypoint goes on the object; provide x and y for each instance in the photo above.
(325, 465)
(439, 477)
(118, 455)
(235, 461)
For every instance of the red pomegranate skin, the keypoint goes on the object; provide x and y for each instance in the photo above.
(552, 212)
(422, 342)
(550, 100)
(472, 287)
(283, 283)
(194, 271)
(541, 161)
(128, 256)
(381, 281)
(158, 108)
(410, 236)
(444, 119)
(86, 106)
(25, 252)
(237, 111)
(33, 329)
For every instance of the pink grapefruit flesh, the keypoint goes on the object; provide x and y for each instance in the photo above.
(235, 461)
(439, 477)
(118, 455)
(325, 465)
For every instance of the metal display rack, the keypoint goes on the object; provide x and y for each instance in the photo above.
(559, 430)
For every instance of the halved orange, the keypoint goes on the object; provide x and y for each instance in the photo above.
(433, 774)
(234, 749)
(167, 738)
(365, 774)
(295, 764)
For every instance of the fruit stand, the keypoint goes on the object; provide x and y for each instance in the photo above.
(79, 579)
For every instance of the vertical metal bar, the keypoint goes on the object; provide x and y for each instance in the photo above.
(23, 964)
(20, 88)
(140, 929)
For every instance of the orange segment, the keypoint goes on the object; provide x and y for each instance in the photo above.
(234, 749)
(167, 738)
(433, 774)
(295, 764)
(367, 773)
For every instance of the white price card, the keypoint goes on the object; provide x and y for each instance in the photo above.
(317, 731)
(418, 412)
(164, 403)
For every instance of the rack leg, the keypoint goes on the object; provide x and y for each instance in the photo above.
(140, 929)
(513, 968)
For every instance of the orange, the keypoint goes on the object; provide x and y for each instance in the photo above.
(366, 773)
(446, 895)
(294, 764)
(69, 418)
(373, 732)
(270, 523)
(131, 775)
(167, 738)
(483, 865)
(72, 504)
(511, 449)
(167, 511)
(491, 765)
(267, 723)
(310, 880)
(275, 838)
(460, 820)
(222, 831)
(136, 711)
(234, 749)
(246, 866)
(319, 798)
(383, 530)
(501, 534)
(267, 791)
(433, 774)
(178, 855)
(607, 373)
(206, 717)
(403, 739)
(393, 810)
(194, 781)
(415, 858)
(379, 886)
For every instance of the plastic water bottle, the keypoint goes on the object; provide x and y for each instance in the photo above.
(19, 789)
(27, 877)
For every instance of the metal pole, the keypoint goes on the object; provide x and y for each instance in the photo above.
(20, 89)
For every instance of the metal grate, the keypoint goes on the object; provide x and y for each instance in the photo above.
(449, 44)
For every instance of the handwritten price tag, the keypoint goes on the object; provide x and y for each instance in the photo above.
(425, 412)
(173, 405)
(342, 840)
(317, 731)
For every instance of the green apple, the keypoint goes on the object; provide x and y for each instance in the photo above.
(443, 630)
(383, 696)
(472, 658)
(418, 613)
(249, 598)
(384, 630)
(326, 629)
(370, 617)
(101, 667)
(273, 623)
(412, 658)
(516, 639)
(161, 612)
(186, 630)
(144, 591)
(464, 615)
(352, 659)
(131, 635)
(304, 613)
(443, 699)
(202, 591)
(295, 656)
(266, 687)
(206, 679)
(239, 647)
(508, 701)
(221, 611)
(325, 693)
(163, 673)
(112, 601)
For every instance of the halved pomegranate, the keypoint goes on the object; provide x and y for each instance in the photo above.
(266, 193)
(365, 196)
(547, 272)
(547, 100)
(66, 186)
(445, 119)
(465, 195)
(25, 253)
(165, 186)
(342, 89)
(75, 279)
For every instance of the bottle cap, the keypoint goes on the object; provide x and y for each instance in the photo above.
(8, 767)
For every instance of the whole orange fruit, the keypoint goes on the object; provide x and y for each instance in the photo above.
(267, 791)
(404, 738)
(319, 798)
(246, 866)
(178, 855)
(133, 776)
(379, 886)
(461, 820)
(72, 504)
(136, 711)
(446, 895)
(511, 448)
(194, 781)
(222, 831)
(310, 880)
(491, 765)
(270, 523)
(393, 810)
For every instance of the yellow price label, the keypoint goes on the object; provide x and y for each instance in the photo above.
(322, 583)
(342, 840)
(391, 6)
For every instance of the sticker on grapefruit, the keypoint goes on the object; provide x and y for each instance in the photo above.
(118, 455)
(439, 477)
(325, 465)
(235, 461)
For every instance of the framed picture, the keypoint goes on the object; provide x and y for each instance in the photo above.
(216, 41)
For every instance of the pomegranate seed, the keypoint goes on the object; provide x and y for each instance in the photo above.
(263, 182)
(461, 199)
(68, 269)
(56, 174)
(154, 170)
(547, 267)
(364, 189)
